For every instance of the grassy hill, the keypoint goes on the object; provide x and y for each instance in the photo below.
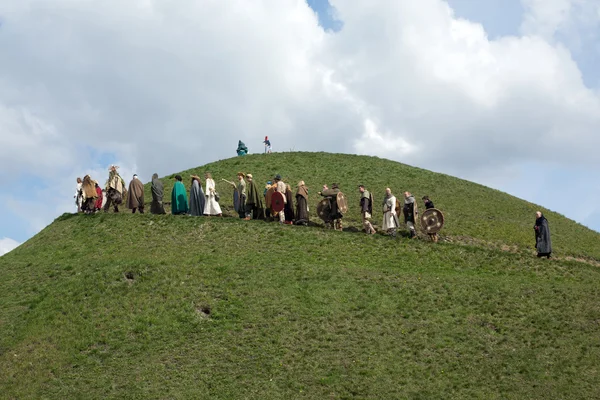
(132, 306)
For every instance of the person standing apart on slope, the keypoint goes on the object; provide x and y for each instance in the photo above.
(302, 217)
(197, 197)
(390, 217)
(428, 205)
(543, 243)
(212, 206)
(115, 188)
(135, 199)
(267, 143)
(254, 204)
(98, 204)
(366, 209)
(242, 150)
(410, 213)
(157, 207)
(78, 195)
(179, 201)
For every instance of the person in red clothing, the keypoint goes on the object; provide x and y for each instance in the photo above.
(98, 204)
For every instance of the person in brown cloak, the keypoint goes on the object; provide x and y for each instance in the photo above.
(135, 200)
(157, 207)
(89, 195)
(289, 205)
(254, 204)
(302, 204)
(335, 216)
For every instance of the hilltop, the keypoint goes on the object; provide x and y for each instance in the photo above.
(145, 306)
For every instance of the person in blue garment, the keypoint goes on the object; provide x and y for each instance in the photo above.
(179, 201)
(242, 150)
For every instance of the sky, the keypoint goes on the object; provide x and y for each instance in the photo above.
(501, 92)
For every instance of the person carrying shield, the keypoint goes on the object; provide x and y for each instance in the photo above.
(335, 216)
(429, 205)
(366, 208)
(410, 213)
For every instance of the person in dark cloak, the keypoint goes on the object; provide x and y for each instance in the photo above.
(242, 150)
(254, 203)
(289, 206)
(135, 201)
(428, 202)
(335, 216)
(197, 197)
(157, 207)
(302, 204)
(410, 213)
(543, 243)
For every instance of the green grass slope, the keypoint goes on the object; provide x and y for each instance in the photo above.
(137, 307)
(474, 213)
(142, 306)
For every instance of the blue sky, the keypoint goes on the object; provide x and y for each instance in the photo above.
(156, 88)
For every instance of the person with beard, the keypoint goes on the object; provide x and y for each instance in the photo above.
(89, 195)
(157, 189)
(410, 213)
(135, 200)
(179, 201)
(302, 217)
(115, 189)
(197, 197)
(366, 209)
(390, 218)
(335, 217)
(543, 243)
(254, 204)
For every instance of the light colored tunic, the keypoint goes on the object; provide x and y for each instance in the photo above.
(212, 206)
(390, 219)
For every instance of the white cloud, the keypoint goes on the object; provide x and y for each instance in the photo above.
(7, 244)
(165, 88)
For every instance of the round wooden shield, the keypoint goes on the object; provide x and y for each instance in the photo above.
(342, 203)
(277, 202)
(432, 220)
(324, 210)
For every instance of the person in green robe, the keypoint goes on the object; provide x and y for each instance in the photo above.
(242, 150)
(254, 203)
(179, 201)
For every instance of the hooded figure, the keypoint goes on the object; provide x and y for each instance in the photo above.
(99, 198)
(157, 196)
(254, 203)
(543, 244)
(288, 211)
(115, 188)
(302, 204)
(136, 195)
(197, 198)
(242, 150)
(179, 201)
(89, 194)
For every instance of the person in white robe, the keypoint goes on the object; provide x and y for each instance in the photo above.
(211, 207)
(390, 218)
(79, 195)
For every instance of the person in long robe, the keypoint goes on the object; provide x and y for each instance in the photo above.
(280, 187)
(366, 209)
(242, 150)
(543, 243)
(302, 210)
(115, 189)
(268, 192)
(288, 210)
(212, 206)
(88, 195)
(390, 217)
(179, 201)
(78, 195)
(135, 200)
(410, 213)
(157, 207)
(429, 204)
(240, 187)
(99, 199)
(254, 204)
(335, 216)
(197, 197)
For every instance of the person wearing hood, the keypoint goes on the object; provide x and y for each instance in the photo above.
(157, 207)
(281, 187)
(179, 201)
(302, 210)
(254, 204)
(135, 200)
(366, 209)
(390, 217)
(115, 189)
(88, 191)
(543, 243)
(410, 213)
(197, 197)
(335, 216)
(242, 150)
(99, 198)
